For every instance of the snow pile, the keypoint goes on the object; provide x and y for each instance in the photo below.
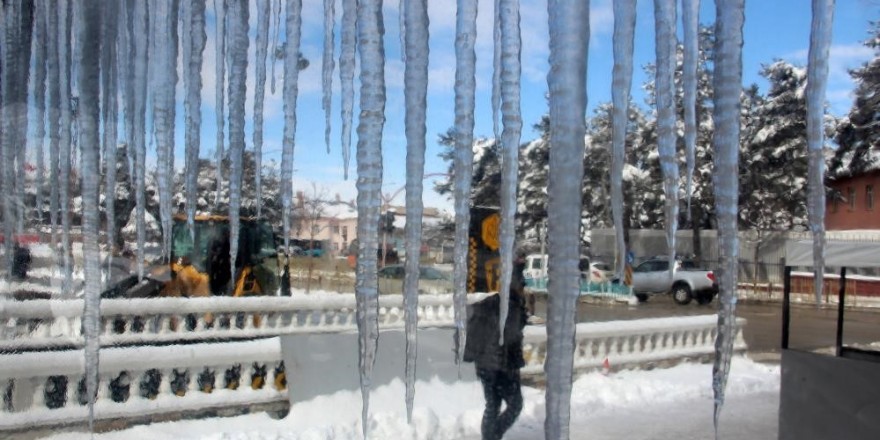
(453, 411)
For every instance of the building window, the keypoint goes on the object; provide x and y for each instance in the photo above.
(834, 202)
(335, 229)
(869, 197)
(851, 198)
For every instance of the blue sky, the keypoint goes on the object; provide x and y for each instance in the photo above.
(773, 29)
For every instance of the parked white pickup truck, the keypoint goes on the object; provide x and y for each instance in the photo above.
(688, 282)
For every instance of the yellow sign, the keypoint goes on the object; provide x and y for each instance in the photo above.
(490, 231)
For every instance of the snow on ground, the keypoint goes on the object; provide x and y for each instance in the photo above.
(658, 404)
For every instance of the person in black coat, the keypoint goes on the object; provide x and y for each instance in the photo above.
(498, 366)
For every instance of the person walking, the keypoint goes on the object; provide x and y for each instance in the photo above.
(496, 365)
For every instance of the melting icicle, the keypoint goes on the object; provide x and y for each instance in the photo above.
(275, 40)
(401, 24)
(39, 86)
(621, 83)
(463, 160)
(89, 29)
(220, 73)
(817, 78)
(415, 80)
(293, 23)
(511, 43)
(327, 66)
(259, 95)
(64, 49)
(194, 38)
(664, 18)
(125, 77)
(54, 113)
(237, 57)
(109, 103)
(496, 68)
(346, 75)
(164, 60)
(369, 186)
(725, 142)
(140, 35)
(690, 18)
(18, 25)
(569, 40)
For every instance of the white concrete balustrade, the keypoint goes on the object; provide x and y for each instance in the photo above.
(42, 387)
(29, 325)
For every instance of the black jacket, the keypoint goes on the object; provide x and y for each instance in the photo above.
(482, 334)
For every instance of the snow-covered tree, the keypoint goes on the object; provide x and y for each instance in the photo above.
(858, 134)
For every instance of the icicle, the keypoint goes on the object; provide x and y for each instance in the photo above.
(401, 24)
(621, 83)
(275, 40)
(88, 113)
(165, 64)
(369, 185)
(237, 58)
(463, 159)
(260, 61)
(18, 24)
(496, 69)
(511, 43)
(328, 65)
(346, 75)
(690, 19)
(54, 112)
(220, 72)
(415, 80)
(569, 40)
(39, 48)
(193, 44)
(725, 142)
(65, 142)
(293, 23)
(109, 108)
(140, 35)
(664, 18)
(125, 77)
(817, 78)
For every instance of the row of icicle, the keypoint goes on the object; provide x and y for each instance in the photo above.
(79, 92)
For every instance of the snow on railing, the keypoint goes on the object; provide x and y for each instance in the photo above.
(634, 342)
(28, 325)
(47, 388)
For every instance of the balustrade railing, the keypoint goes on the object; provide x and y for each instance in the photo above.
(37, 324)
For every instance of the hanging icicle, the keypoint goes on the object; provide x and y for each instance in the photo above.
(569, 40)
(65, 16)
(88, 113)
(220, 72)
(664, 18)
(817, 78)
(262, 42)
(109, 107)
(621, 83)
(463, 159)
(140, 35)
(293, 24)
(369, 186)
(18, 20)
(690, 19)
(328, 65)
(125, 78)
(511, 46)
(725, 143)
(415, 80)
(39, 49)
(164, 60)
(277, 14)
(346, 76)
(237, 58)
(194, 37)
(50, 10)
(496, 68)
